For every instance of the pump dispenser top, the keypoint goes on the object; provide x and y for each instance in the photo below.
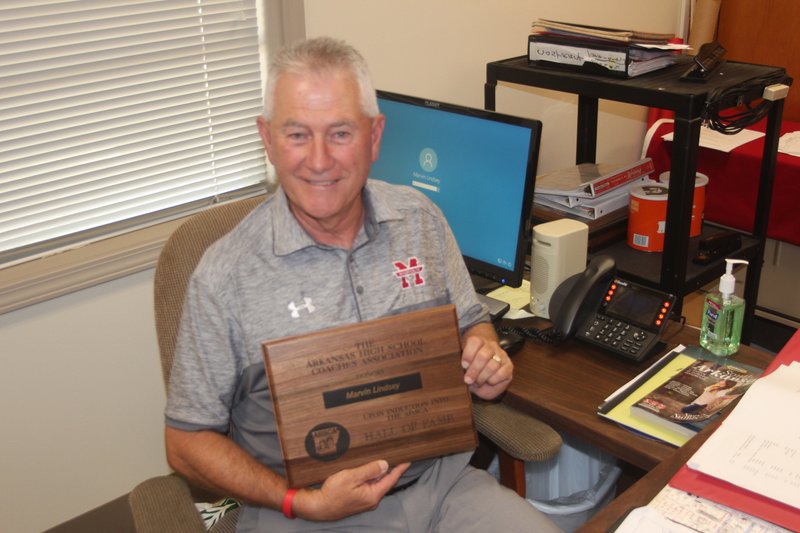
(727, 283)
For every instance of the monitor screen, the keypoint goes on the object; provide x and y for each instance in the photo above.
(478, 166)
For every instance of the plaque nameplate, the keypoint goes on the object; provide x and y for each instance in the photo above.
(391, 388)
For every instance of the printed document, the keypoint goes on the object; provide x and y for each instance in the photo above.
(676, 511)
(758, 446)
(721, 142)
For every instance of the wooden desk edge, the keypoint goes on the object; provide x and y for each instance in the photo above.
(644, 490)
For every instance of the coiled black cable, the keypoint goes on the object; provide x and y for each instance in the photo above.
(546, 336)
(723, 115)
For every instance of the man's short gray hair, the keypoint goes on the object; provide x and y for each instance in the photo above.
(321, 55)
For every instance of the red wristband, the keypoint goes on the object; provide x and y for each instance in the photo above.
(287, 504)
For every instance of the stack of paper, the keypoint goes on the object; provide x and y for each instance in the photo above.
(677, 511)
(600, 32)
(599, 50)
(758, 446)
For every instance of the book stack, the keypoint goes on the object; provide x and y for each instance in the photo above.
(599, 50)
(591, 190)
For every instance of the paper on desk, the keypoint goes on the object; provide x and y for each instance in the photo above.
(514, 314)
(758, 446)
(649, 519)
(675, 511)
(719, 141)
(789, 143)
(517, 298)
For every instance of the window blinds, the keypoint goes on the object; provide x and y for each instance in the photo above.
(112, 110)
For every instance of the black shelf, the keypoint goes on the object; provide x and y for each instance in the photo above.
(644, 267)
(671, 270)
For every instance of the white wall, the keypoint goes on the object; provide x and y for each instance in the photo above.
(81, 385)
(82, 401)
(439, 49)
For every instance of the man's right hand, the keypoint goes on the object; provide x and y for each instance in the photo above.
(348, 492)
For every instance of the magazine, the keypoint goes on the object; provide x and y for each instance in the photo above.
(688, 400)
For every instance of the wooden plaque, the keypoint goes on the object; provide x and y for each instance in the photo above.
(391, 389)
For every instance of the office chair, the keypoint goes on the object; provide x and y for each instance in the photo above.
(166, 503)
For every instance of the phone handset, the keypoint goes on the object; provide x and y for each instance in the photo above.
(579, 296)
(572, 302)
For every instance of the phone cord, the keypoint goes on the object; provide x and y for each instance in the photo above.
(546, 336)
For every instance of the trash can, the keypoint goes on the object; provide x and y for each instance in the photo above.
(573, 486)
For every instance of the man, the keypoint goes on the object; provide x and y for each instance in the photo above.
(321, 252)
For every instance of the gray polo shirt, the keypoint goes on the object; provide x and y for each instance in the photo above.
(268, 279)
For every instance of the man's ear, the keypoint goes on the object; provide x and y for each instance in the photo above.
(263, 131)
(378, 123)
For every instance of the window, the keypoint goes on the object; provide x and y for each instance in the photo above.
(115, 114)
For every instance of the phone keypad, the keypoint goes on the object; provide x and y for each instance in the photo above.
(617, 335)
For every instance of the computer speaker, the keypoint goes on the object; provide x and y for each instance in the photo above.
(558, 252)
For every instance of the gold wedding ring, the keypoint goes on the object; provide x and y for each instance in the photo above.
(497, 359)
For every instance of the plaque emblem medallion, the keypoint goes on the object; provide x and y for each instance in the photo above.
(327, 441)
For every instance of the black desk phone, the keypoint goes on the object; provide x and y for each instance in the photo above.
(602, 309)
(607, 311)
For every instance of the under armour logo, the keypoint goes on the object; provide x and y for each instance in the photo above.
(411, 271)
(295, 309)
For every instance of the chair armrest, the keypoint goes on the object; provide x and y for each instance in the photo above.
(162, 504)
(521, 436)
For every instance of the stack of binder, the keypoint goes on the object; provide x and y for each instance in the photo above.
(599, 50)
(590, 190)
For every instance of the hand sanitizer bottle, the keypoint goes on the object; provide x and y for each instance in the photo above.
(721, 327)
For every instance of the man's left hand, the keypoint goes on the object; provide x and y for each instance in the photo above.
(488, 369)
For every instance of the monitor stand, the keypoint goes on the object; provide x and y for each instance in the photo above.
(484, 285)
(497, 308)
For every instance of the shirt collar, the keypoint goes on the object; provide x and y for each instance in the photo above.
(377, 198)
(288, 236)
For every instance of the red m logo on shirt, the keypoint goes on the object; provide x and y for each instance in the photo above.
(409, 273)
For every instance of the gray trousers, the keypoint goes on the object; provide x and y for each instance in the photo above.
(449, 496)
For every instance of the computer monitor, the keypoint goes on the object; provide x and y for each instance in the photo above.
(478, 166)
